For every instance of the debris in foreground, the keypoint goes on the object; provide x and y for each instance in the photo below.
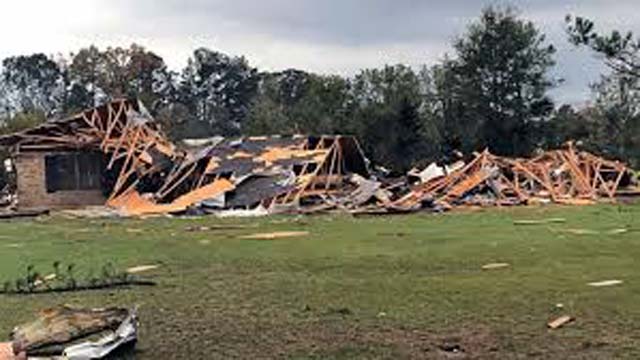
(560, 322)
(125, 335)
(69, 331)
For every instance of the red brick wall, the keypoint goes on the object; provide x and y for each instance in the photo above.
(32, 187)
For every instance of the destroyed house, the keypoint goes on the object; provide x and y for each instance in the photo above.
(80, 160)
(116, 155)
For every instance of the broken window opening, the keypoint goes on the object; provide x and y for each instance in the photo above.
(74, 171)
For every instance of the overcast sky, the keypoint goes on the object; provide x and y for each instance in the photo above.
(326, 36)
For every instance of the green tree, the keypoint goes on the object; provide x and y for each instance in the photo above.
(267, 117)
(567, 124)
(218, 90)
(97, 76)
(321, 109)
(500, 83)
(385, 112)
(30, 83)
(616, 112)
(295, 101)
(621, 52)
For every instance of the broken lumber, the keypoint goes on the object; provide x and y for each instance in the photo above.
(559, 322)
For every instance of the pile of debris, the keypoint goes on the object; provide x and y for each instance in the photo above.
(116, 155)
(74, 334)
(563, 176)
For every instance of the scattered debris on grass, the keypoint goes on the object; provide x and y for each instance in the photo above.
(581, 232)
(276, 235)
(218, 228)
(496, 266)
(540, 222)
(560, 322)
(66, 331)
(606, 283)
(141, 269)
(617, 231)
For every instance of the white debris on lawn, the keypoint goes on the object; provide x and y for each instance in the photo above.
(606, 283)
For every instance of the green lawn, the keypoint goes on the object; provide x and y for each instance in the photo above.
(379, 287)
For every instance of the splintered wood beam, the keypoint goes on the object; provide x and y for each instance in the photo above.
(333, 164)
(579, 179)
(174, 174)
(135, 183)
(97, 121)
(87, 120)
(314, 174)
(125, 134)
(534, 177)
(594, 184)
(285, 198)
(177, 183)
(113, 121)
(125, 164)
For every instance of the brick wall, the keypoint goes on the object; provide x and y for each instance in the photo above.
(32, 187)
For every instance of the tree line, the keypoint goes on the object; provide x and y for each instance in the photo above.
(491, 92)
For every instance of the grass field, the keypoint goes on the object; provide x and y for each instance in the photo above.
(381, 287)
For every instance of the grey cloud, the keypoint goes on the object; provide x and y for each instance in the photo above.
(339, 35)
(344, 22)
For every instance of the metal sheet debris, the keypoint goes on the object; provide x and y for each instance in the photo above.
(125, 334)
